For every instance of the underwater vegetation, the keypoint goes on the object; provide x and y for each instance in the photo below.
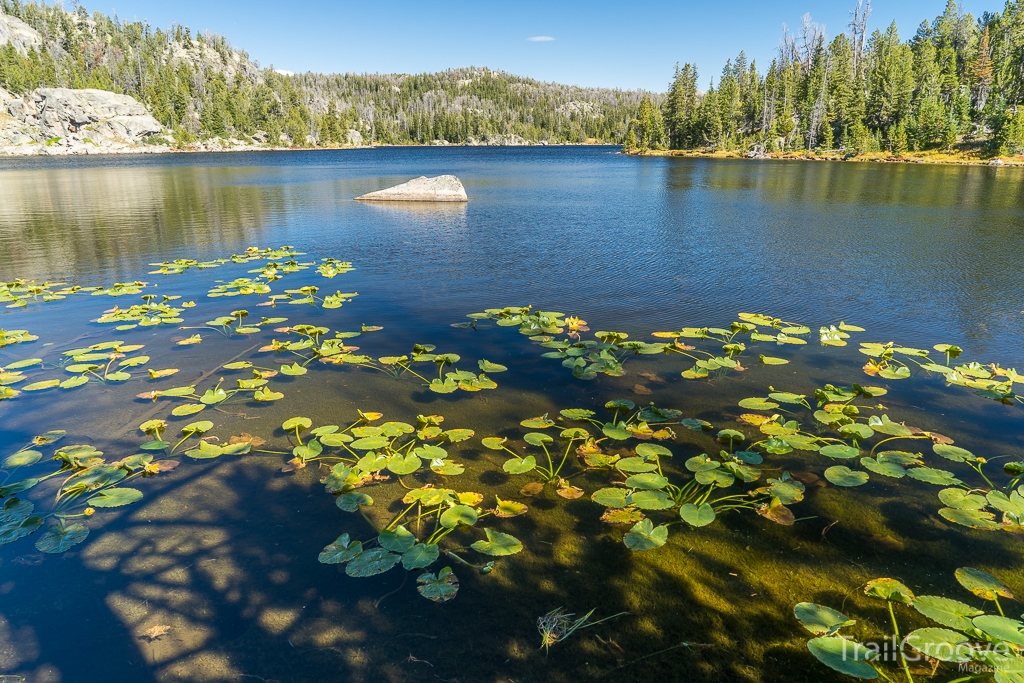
(987, 645)
(648, 471)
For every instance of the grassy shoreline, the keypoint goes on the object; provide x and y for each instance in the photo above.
(944, 158)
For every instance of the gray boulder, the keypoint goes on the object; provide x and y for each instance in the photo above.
(442, 188)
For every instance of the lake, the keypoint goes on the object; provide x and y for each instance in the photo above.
(220, 556)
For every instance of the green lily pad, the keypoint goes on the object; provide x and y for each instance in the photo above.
(1001, 628)
(439, 588)
(351, 501)
(537, 439)
(187, 409)
(635, 464)
(652, 451)
(983, 584)
(840, 452)
(648, 481)
(841, 475)
(420, 556)
(651, 500)
(616, 431)
(611, 497)
(403, 464)
(888, 469)
(954, 453)
(498, 544)
(22, 459)
(59, 540)
(519, 465)
(115, 497)
(973, 519)
(398, 540)
(370, 443)
(458, 514)
(697, 516)
(645, 536)
(941, 644)
(933, 476)
(821, 620)
(372, 562)
(340, 551)
(845, 656)
(890, 590)
(945, 611)
(758, 404)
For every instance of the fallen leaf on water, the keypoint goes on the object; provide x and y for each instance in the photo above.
(641, 390)
(532, 489)
(155, 632)
(245, 437)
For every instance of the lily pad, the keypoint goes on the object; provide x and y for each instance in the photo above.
(697, 516)
(645, 536)
(420, 556)
(945, 611)
(439, 588)
(59, 539)
(821, 620)
(983, 584)
(372, 562)
(841, 475)
(519, 465)
(115, 497)
(498, 544)
(458, 514)
(845, 656)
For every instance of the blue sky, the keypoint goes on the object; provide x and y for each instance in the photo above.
(595, 43)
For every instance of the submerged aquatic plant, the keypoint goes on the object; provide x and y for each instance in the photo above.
(557, 625)
(993, 644)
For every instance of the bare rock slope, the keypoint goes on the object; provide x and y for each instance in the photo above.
(442, 188)
(63, 121)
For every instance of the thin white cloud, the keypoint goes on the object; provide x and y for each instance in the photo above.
(540, 39)
(284, 72)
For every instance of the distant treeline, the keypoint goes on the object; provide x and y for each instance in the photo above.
(958, 82)
(201, 86)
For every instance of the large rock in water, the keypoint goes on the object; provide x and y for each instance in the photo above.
(442, 188)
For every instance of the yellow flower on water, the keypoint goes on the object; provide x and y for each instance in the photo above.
(89, 512)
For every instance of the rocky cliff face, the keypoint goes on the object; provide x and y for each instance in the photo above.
(16, 31)
(63, 121)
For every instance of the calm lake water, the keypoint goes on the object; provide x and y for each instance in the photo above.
(224, 551)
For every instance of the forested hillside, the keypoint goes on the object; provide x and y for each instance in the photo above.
(957, 83)
(202, 86)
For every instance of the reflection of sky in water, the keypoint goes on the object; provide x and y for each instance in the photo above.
(224, 552)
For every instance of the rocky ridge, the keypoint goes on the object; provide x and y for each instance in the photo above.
(64, 121)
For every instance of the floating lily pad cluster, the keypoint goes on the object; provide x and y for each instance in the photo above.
(588, 357)
(845, 422)
(363, 456)
(11, 337)
(640, 484)
(178, 266)
(88, 481)
(104, 362)
(965, 635)
(148, 314)
(989, 381)
(314, 344)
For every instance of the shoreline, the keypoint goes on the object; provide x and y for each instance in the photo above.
(41, 150)
(932, 158)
